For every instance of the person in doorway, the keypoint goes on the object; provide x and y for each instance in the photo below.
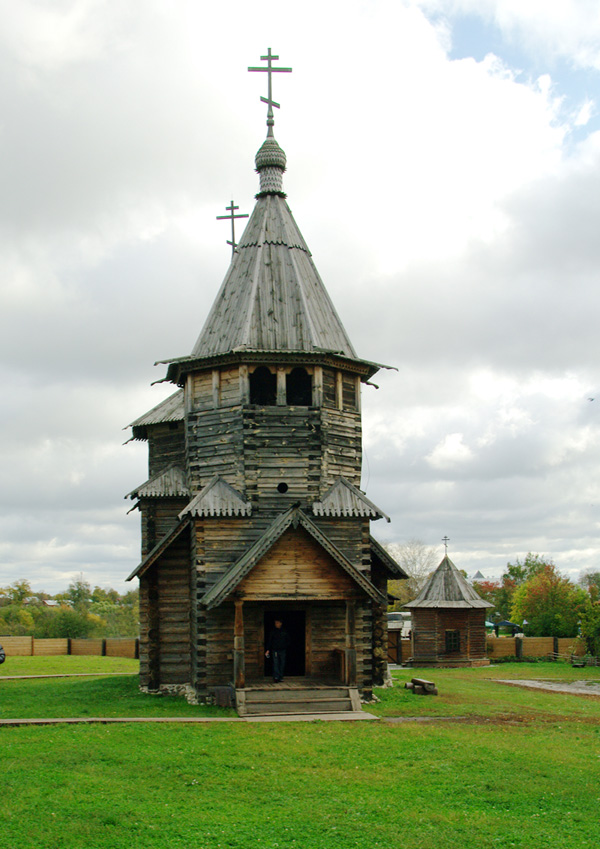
(277, 645)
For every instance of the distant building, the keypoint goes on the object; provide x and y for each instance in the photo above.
(448, 621)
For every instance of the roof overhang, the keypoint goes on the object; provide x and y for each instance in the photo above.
(293, 517)
(159, 548)
(179, 367)
(386, 560)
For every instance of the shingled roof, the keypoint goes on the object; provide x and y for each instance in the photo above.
(272, 300)
(446, 587)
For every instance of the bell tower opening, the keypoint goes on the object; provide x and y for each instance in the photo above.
(263, 387)
(298, 388)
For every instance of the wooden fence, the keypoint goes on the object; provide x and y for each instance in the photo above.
(399, 649)
(109, 647)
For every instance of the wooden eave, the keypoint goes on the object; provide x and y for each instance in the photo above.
(170, 483)
(344, 499)
(292, 517)
(388, 563)
(179, 367)
(217, 498)
(160, 548)
(169, 410)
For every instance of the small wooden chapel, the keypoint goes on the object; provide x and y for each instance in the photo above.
(253, 510)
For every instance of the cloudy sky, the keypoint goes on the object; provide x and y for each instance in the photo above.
(444, 168)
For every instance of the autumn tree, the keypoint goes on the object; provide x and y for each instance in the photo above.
(418, 561)
(550, 603)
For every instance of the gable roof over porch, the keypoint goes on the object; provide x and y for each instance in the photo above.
(294, 517)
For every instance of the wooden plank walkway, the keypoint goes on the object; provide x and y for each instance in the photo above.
(346, 716)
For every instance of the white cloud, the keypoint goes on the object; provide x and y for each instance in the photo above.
(452, 224)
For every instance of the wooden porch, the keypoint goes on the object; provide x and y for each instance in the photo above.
(263, 697)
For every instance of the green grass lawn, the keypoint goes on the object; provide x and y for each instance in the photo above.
(476, 692)
(532, 781)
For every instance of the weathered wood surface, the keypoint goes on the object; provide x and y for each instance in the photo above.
(429, 635)
(297, 567)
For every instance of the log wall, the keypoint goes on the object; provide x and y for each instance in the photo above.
(429, 635)
(166, 446)
(158, 516)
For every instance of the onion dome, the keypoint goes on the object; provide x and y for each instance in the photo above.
(270, 164)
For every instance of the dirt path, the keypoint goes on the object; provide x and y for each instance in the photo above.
(577, 688)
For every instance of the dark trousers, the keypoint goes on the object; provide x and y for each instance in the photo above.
(278, 664)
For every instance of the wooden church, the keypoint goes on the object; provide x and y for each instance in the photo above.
(253, 510)
(448, 621)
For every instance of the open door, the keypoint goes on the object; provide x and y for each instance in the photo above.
(294, 622)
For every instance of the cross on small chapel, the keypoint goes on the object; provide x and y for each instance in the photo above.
(232, 216)
(446, 540)
(270, 70)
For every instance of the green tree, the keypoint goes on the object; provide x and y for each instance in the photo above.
(550, 603)
(15, 621)
(18, 591)
(66, 622)
(79, 595)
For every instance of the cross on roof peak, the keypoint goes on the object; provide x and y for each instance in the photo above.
(232, 216)
(446, 540)
(270, 70)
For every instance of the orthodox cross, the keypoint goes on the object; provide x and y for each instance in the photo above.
(232, 216)
(446, 540)
(270, 70)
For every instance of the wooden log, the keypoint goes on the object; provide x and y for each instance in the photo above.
(350, 643)
(239, 654)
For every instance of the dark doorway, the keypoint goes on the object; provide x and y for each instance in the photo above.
(294, 622)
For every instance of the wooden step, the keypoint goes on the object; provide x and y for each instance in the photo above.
(293, 707)
(265, 701)
(298, 694)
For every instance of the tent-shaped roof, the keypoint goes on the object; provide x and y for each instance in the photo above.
(447, 588)
(344, 499)
(272, 300)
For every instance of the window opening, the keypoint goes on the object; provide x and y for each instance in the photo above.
(263, 387)
(452, 641)
(298, 388)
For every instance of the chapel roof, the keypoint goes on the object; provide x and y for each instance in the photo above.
(447, 588)
(272, 300)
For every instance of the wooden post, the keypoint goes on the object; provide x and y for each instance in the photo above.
(216, 388)
(519, 648)
(339, 394)
(317, 398)
(239, 655)
(281, 388)
(350, 643)
(244, 385)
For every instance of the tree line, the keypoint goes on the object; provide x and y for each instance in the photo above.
(80, 611)
(533, 594)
